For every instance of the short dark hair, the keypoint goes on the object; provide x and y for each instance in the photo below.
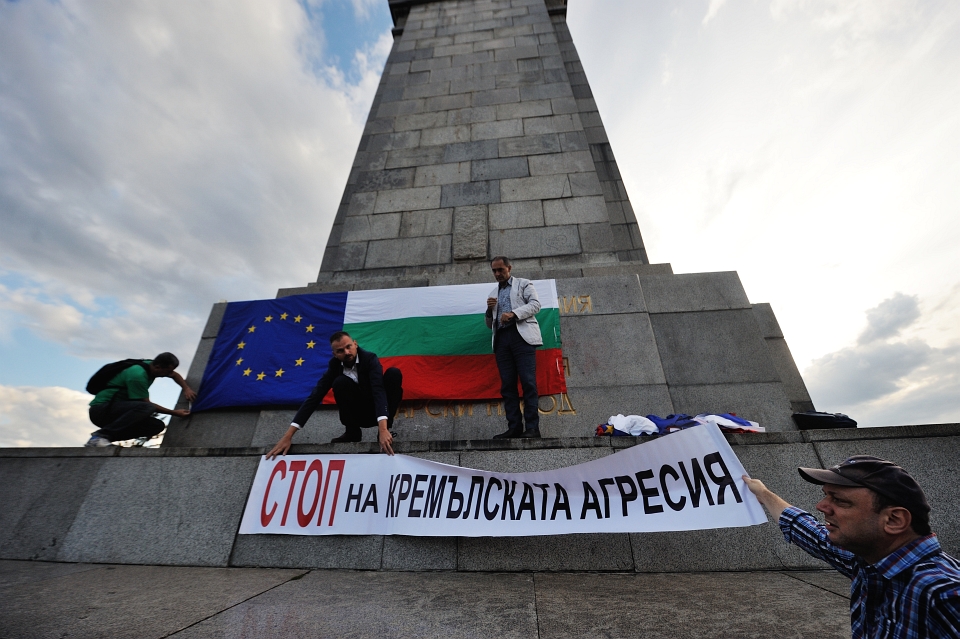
(502, 258)
(919, 519)
(166, 360)
(339, 335)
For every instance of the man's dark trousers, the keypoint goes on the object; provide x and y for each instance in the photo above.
(517, 359)
(356, 407)
(126, 420)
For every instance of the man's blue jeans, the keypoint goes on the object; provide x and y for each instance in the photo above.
(517, 360)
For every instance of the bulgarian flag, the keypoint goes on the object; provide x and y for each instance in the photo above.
(272, 352)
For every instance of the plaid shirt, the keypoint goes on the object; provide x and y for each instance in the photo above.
(911, 593)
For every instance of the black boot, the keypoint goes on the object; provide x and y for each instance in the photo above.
(350, 435)
(510, 433)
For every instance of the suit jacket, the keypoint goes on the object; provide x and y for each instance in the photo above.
(526, 304)
(369, 374)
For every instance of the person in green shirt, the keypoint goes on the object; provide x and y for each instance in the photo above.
(123, 409)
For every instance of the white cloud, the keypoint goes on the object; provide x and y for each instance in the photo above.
(810, 145)
(713, 9)
(43, 416)
(882, 382)
(890, 317)
(155, 158)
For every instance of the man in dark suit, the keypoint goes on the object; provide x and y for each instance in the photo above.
(366, 395)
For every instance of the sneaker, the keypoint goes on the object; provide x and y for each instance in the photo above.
(96, 441)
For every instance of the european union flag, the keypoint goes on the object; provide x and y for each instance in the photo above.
(271, 352)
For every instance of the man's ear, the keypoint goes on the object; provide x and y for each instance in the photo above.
(897, 520)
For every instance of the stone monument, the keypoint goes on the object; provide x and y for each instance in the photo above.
(484, 139)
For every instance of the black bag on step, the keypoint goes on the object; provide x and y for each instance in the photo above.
(813, 420)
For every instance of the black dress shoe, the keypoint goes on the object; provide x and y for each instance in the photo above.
(510, 433)
(346, 438)
(533, 433)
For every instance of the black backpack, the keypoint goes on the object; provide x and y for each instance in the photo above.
(101, 379)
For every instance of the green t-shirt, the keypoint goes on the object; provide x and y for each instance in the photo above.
(132, 383)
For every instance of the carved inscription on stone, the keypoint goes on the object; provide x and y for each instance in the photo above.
(435, 409)
(571, 304)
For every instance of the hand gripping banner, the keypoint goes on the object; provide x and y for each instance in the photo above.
(688, 480)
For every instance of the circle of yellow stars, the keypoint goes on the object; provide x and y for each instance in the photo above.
(279, 372)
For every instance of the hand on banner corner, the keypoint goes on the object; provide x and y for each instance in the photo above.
(283, 445)
(774, 504)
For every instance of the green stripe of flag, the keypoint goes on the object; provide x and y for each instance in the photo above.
(443, 335)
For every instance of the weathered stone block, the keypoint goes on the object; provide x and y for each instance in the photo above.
(439, 174)
(587, 346)
(470, 193)
(473, 84)
(408, 252)
(694, 292)
(558, 552)
(472, 115)
(166, 511)
(384, 180)
(223, 428)
(497, 169)
(421, 223)
(496, 96)
(604, 295)
(529, 145)
(535, 242)
(496, 129)
(462, 152)
(552, 124)
(360, 228)
(513, 215)
(408, 199)
(596, 238)
(294, 551)
(32, 524)
(447, 102)
(470, 233)
(530, 109)
(422, 156)
(553, 163)
(763, 402)
(712, 347)
(445, 135)
(362, 203)
(534, 188)
(574, 210)
(514, 53)
(769, 327)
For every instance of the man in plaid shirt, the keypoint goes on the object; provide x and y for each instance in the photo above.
(877, 533)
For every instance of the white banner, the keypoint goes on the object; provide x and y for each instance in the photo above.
(689, 480)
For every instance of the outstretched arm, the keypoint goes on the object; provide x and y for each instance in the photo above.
(774, 504)
(188, 392)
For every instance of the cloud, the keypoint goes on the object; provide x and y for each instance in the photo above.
(879, 381)
(713, 9)
(861, 373)
(155, 158)
(43, 416)
(890, 317)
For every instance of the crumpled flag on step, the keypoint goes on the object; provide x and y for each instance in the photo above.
(636, 425)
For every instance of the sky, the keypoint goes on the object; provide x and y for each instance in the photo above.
(158, 157)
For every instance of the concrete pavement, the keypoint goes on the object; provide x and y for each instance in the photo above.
(43, 599)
